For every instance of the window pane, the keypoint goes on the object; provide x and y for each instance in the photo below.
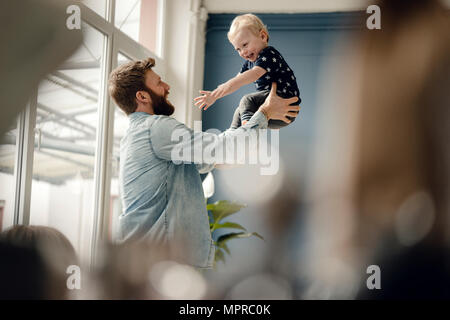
(66, 128)
(120, 127)
(139, 20)
(99, 6)
(7, 181)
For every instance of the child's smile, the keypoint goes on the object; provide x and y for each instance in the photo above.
(248, 45)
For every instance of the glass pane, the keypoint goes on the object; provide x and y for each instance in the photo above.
(7, 181)
(66, 128)
(120, 127)
(99, 6)
(139, 20)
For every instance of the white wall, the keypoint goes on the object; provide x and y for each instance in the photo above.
(176, 34)
(184, 47)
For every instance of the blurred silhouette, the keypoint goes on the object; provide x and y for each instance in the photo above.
(146, 270)
(276, 276)
(34, 263)
(34, 40)
(381, 194)
(22, 273)
(403, 176)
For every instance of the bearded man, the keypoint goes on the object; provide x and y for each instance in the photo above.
(163, 199)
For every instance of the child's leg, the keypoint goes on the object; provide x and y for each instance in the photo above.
(250, 103)
(236, 122)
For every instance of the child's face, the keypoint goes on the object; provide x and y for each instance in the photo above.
(248, 45)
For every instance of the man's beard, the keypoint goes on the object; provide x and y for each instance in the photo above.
(161, 106)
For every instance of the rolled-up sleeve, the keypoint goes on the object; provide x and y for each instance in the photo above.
(172, 140)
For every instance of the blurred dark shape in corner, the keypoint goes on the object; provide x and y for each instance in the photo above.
(382, 186)
(21, 272)
(275, 277)
(35, 40)
(403, 160)
(284, 216)
(124, 268)
(33, 265)
(141, 270)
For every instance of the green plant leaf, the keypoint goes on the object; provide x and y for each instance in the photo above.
(233, 235)
(230, 225)
(219, 256)
(224, 246)
(223, 208)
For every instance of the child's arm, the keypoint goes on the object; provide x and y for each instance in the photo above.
(209, 97)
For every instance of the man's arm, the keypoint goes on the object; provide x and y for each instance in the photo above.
(209, 97)
(173, 141)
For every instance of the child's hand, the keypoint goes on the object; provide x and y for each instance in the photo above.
(221, 90)
(209, 97)
(206, 100)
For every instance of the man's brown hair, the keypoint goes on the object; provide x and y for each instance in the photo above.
(128, 79)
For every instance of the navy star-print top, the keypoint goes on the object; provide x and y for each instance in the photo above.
(277, 70)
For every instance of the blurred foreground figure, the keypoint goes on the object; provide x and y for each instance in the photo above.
(35, 39)
(33, 264)
(144, 270)
(381, 189)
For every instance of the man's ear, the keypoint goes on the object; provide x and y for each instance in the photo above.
(143, 96)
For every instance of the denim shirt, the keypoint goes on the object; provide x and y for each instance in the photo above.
(163, 199)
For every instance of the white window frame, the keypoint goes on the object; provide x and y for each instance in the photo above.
(115, 41)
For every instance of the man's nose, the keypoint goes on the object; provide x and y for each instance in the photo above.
(167, 87)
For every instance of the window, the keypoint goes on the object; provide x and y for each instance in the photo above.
(65, 146)
(7, 165)
(99, 6)
(127, 17)
(120, 128)
(2, 207)
(66, 131)
(140, 20)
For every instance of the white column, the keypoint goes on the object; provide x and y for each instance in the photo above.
(184, 47)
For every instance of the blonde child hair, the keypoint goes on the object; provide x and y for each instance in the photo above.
(250, 21)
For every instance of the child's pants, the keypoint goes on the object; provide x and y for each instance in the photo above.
(249, 104)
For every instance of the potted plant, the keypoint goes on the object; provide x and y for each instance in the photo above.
(217, 212)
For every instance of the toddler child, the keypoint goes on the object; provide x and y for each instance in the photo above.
(263, 65)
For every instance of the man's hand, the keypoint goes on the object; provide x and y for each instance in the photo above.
(278, 108)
